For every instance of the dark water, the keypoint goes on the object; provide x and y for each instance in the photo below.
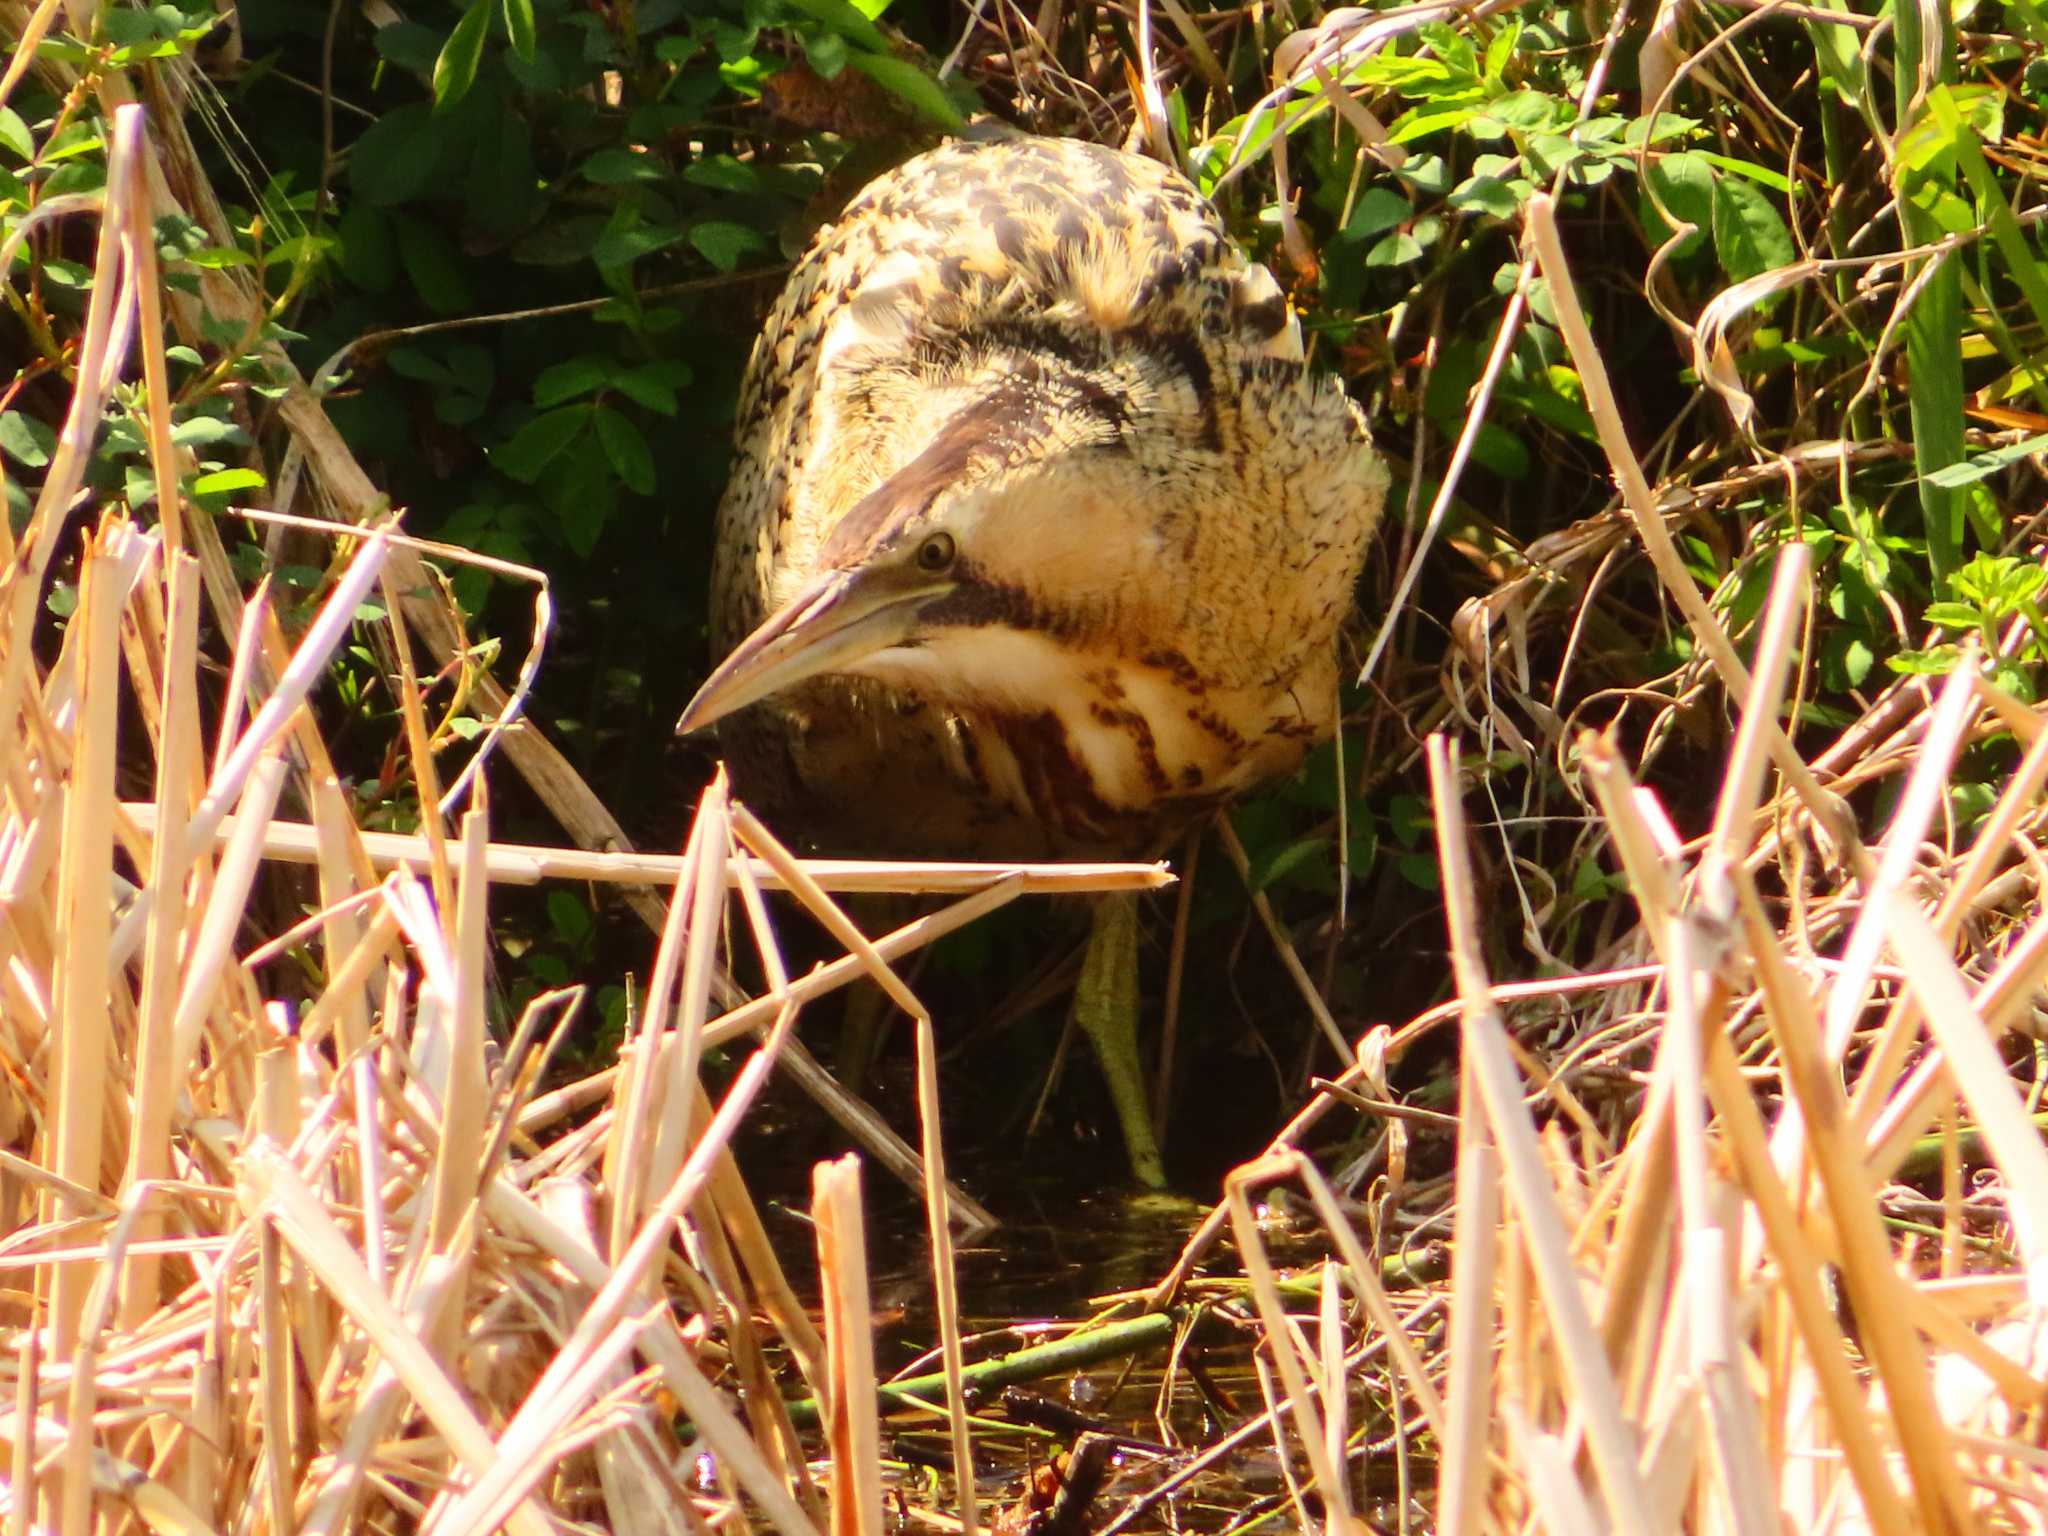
(1061, 1256)
(1073, 1234)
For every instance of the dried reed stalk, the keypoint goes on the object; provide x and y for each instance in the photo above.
(285, 1248)
(1694, 1310)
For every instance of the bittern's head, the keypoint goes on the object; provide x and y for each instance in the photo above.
(1024, 521)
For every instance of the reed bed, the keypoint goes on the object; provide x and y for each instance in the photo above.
(323, 1256)
(327, 1255)
(1759, 1246)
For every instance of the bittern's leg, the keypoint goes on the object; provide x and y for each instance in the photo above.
(863, 1025)
(868, 1011)
(1106, 1006)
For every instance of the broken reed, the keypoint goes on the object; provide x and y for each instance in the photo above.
(332, 1264)
(1693, 1313)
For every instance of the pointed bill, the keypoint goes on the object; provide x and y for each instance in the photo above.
(832, 625)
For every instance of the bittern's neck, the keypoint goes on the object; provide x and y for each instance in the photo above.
(1067, 732)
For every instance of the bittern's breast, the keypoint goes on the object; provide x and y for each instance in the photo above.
(1045, 361)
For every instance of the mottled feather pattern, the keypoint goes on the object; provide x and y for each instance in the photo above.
(1179, 508)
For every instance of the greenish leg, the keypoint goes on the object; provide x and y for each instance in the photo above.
(1106, 1007)
(862, 1028)
(868, 1011)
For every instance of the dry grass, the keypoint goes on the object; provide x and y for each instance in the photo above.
(332, 1261)
(1705, 1315)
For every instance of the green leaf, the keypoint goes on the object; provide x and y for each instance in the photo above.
(1395, 250)
(1857, 660)
(624, 241)
(458, 410)
(827, 53)
(1954, 615)
(723, 244)
(222, 481)
(502, 188)
(1303, 854)
(455, 69)
(205, 431)
(1591, 883)
(568, 916)
(14, 134)
(540, 442)
(1379, 209)
(541, 75)
(434, 267)
(64, 50)
(1928, 145)
(913, 87)
(1936, 662)
(1427, 174)
(1491, 196)
(1549, 153)
(1762, 175)
(411, 45)
(734, 43)
(1423, 121)
(1668, 125)
(369, 251)
(126, 26)
(1984, 465)
(1749, 236)
(1502, 451)
(519, 27)
(397, 157)
(299, 578)
(723, 173)
(1410, 818)
(310, 249)
(1531, 111)
(218, 258)
(26, 440)
(846, 21)
(410, 362)
(1501, 49)
(1685, 185)
(582, 490)
(567, 380)
(653, 385)
(1419, 870)
(626, 449)
(617, 166)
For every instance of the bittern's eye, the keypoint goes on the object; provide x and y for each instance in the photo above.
(935, 554)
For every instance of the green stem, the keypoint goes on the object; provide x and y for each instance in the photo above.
(1934, 328)
(1072, 1353)
(1926, 1153)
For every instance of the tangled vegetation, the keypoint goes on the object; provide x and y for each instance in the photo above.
(1706, 340)
(519, 252)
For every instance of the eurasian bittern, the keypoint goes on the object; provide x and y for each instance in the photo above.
(1039, 532)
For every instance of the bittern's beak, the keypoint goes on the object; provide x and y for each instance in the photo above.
(833, 625)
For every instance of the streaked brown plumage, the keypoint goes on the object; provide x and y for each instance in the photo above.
(1040, 531)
